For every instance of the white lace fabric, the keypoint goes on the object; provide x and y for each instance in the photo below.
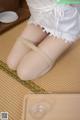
(61, 21)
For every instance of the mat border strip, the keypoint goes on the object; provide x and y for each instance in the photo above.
(29, 84)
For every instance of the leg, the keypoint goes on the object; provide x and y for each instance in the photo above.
(32, 33)
(34, 65)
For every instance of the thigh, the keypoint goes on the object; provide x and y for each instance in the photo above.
(37, 63)
(54, 46)
(32, 33)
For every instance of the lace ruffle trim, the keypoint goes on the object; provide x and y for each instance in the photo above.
(64, 36)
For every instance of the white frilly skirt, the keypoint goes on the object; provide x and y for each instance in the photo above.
(61, 21)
